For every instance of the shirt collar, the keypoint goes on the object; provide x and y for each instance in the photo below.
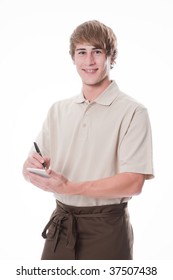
(105, 98)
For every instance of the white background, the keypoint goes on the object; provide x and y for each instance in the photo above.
(36, 70)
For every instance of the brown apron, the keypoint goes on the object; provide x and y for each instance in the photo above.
(88, 233)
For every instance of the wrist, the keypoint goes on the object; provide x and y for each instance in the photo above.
(74, 188)
(68, 187)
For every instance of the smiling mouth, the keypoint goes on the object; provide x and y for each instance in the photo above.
(90, 70)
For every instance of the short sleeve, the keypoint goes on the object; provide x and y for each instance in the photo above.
(135, 153)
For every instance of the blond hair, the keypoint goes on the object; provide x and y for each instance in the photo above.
(96, 34)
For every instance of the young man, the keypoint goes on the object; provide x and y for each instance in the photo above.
(99, 147)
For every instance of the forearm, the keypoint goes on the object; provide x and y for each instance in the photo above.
(120, 185)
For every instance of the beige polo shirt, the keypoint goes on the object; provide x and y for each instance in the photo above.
(89, 141)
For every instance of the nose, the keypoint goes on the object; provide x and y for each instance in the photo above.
(89, 59)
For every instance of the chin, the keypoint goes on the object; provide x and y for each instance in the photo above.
(92, 82)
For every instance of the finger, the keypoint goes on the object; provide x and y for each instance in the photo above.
(40, 182)
(35, 160)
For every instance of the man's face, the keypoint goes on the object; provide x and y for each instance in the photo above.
(92, 64)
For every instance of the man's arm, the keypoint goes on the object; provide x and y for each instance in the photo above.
(120, 185)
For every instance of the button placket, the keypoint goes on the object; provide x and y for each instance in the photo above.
(85, 121)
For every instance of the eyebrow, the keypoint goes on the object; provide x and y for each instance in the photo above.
(84, 49)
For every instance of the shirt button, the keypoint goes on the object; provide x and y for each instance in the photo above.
(84, 124)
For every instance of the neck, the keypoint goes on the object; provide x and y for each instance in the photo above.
(91, 92)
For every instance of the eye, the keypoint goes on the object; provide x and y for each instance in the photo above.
(81, 53)
(98, 52)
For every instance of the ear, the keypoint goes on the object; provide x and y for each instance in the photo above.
(112, 60)
(72, 57)
(112, 63)
(73, 61)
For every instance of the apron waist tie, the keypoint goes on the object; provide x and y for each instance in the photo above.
(60, 214)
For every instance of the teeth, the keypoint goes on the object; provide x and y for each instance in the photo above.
(90, 71)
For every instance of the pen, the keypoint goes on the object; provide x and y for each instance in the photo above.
(38, 151)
